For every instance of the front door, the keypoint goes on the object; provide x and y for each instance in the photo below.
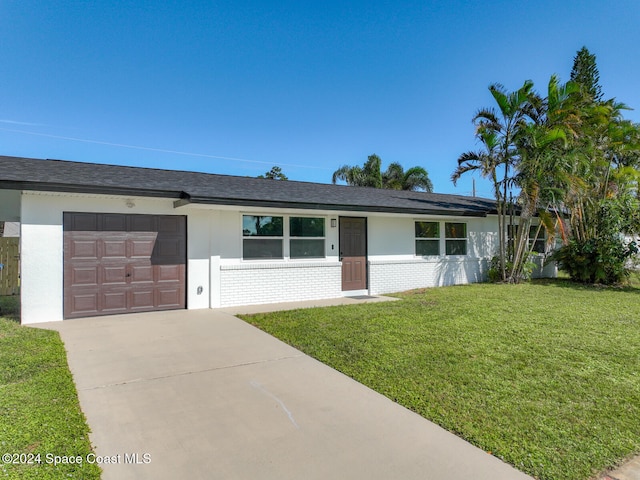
(353, 253)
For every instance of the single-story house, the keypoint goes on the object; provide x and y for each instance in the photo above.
(9, 229)
(103, 239)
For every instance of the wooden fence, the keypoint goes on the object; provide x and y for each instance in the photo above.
(10, 270)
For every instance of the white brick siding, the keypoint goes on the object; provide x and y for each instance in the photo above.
(248, 284)
(544, 271)
(396, 276)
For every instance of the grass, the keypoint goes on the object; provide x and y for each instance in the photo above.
(39, 409)
(545, 376)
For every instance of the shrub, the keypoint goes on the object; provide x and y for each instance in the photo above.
(495, 276)
(494, 270)
(597, 260)
(9, 306)
(605, 256)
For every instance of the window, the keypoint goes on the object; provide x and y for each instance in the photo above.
(427, 238)
(512, 232)
(537, 245)
(262, 237)
(455, 238)
(306, 237)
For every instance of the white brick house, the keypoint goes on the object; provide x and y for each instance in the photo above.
(103, 239)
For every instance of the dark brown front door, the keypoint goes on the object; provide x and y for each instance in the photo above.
(117, 263)
(353, 252)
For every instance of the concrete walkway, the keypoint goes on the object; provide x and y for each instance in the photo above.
(629, 471)
(203, 395)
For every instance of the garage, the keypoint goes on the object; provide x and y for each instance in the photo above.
(123, 263)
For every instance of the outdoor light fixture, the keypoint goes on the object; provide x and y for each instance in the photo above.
(334, 222)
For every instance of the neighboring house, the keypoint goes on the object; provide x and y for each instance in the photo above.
(634, 262)
(104, 239)
(11, 229)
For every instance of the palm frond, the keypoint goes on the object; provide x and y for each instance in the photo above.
(417, 178)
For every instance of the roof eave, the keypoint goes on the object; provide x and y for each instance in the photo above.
(87, 189)
(241, 202)
(184, 199)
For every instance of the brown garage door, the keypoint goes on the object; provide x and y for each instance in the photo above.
(116, 263)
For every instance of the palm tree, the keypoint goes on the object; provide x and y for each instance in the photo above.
(393, 178)
(484, 161)
(498, 131)
(570, 153)
(542, 176)
(368, 175)
(415, 178)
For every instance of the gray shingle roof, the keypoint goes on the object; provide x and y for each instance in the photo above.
(193, 187)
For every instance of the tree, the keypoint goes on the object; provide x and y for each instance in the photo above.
(274, 174)
(571, 159)
(498, 131)
(369, 175)
(569, 154)
(485, 161)
(542, 145)
(602, 202)
(415, 178)
(393, 178)
(585, 73)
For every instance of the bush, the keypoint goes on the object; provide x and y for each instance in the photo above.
(597, 260)
(9, 306)
(606, 257)
(495, 275)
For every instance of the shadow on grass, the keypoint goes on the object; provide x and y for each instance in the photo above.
(564, 283)
(570, 284)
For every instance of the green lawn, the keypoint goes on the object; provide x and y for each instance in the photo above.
(544, 375)
(39, 409)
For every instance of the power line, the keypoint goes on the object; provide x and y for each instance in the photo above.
(161, 150)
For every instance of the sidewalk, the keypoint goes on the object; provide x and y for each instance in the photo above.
(628, 471)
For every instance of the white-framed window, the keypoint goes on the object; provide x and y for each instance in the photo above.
(536, 245)
(269, 237)
(306, 237)
(427, 238)
(262, 237)
(455, 234)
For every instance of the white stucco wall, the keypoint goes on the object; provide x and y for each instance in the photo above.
(393, 237)
(41, 256)
(42, 247)
(394, 266)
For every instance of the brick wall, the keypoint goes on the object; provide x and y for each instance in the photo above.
(399, 275)
(278, 282)
(284, 282)
(544, 271)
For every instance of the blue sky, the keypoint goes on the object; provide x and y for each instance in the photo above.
(235, 87)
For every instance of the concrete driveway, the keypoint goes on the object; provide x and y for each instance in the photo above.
(203, 395)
